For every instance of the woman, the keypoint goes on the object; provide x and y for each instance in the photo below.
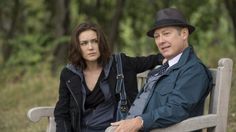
(87, 98)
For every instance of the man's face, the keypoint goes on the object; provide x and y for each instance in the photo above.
(171, 40)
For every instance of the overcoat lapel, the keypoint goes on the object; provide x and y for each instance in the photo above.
(181, 62)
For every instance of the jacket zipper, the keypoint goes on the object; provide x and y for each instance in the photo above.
(72, 93)
(77, 104)
(65, 126)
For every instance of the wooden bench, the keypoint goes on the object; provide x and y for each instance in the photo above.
(215, 120)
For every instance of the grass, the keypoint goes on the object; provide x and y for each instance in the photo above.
(232, 103)
(23, 89)
(20, 93)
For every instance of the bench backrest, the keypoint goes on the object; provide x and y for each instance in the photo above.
(215, 120)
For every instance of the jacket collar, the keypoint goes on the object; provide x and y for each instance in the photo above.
(107, 68)
(78, 71)
(183, 59)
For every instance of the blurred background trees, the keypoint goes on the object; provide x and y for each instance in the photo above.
(34, 36)
(33, 31)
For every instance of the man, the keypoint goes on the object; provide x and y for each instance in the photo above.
(176, 90)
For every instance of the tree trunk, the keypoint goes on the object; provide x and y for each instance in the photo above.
(230, 5)
(60, 22)
(6, 48)
(114, 32)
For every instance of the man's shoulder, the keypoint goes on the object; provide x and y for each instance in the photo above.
(195, 63)
(195, 67)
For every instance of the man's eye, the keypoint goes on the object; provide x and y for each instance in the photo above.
(156, 36)
(166, 33)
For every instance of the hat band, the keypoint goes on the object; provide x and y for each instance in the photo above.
(170, 22)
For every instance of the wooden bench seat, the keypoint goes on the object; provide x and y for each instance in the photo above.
(215, 119)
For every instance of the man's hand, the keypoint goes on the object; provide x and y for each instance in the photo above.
(128, 125)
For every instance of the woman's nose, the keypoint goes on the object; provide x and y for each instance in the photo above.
(90, 45)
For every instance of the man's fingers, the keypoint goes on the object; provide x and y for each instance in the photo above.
(111, 129)
(115, 123)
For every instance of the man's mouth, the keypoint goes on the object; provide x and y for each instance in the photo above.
(165, 48)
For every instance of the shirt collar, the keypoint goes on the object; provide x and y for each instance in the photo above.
(174, 60)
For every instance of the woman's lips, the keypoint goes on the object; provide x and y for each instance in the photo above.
(92, 54)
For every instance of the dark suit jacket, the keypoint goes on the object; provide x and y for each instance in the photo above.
(179, 93)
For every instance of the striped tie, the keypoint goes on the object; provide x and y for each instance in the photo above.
(163, 68)
(159, 71)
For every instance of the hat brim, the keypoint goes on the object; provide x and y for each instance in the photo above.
(162, 24)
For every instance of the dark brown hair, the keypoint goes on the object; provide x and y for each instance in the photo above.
(75, 55)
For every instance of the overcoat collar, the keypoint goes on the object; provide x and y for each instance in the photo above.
(182, 61)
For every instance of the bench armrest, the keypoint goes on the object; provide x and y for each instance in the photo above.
(191, 124)
(35, 114)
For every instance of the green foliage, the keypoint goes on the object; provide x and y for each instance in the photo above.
(28, 49)
(33, 41)
(33, 49)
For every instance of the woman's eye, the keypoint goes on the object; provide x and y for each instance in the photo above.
(94, 41)
(83, 43)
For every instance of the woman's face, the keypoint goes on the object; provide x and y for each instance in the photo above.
(89, 46)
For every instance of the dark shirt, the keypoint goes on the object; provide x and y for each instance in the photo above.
(96, 106)
(95, 97)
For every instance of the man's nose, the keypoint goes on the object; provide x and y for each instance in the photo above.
(161, 39)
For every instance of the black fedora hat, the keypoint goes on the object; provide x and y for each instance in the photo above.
(170, 17)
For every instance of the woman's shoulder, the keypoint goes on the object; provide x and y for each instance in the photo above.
(67, 72)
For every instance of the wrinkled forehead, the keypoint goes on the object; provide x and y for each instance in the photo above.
(87, 35)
